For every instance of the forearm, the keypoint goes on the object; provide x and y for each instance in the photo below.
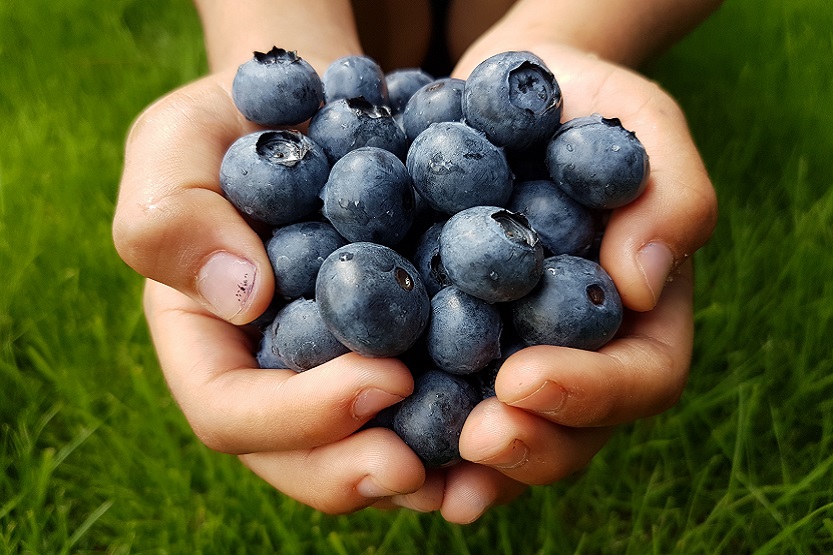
(628, 32)
(320, 30)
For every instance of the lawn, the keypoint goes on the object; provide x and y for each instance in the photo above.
(96, 458)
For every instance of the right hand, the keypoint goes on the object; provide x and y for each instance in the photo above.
(208, 272)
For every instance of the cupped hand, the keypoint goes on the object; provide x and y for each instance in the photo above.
(556, 407)
(208, 272)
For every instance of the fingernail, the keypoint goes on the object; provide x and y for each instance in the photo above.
(512, 457)
(655, 260)
(549, 398)
(226, 282)
(368, 487)
(370, 401)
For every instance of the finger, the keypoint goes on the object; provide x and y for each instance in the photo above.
(344, 476)
(428, 498)
(472, 489)
(235, 407)
(172, 223)
(526, 447)
(641, 372)
(645, 241)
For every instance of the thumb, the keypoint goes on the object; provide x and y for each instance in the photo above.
(172, 223)
(646, 241)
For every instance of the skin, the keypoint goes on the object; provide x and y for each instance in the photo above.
(555, 407)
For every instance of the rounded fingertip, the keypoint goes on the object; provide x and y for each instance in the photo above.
(428, 498)
(370, 488)
(486, 440)
(466, 509)
(370, 401)
(227, 283)
(655, 261)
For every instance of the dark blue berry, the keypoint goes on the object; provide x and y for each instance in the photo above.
(514, 99)
(372, 299)
(274, 176)
(277, 88)
(576, 305)
(598, 162)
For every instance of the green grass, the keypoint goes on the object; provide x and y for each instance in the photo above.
(95, 457)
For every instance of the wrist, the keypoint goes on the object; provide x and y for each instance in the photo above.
(621, 31)
(321, 32)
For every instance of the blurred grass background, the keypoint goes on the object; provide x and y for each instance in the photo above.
(96, 458)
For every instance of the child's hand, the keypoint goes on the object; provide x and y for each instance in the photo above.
(556, 405)
(208, 271)
(207, 268)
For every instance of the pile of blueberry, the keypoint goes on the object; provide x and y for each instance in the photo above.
(446, 222)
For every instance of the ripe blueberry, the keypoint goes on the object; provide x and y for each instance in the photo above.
(347, 124)
(575, 305)
(491, 253)
(372, 299)
(430, 420)
(274, 176)
(598, 162)
(296, 252)
(369, 197)
(514, 99)
(402, 84)
(277, 88)
(455, 167)
(563, 225)
(355, 76)
(300, 339)
(463, 334)
(440, 100)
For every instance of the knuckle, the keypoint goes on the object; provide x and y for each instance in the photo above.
(140, 230)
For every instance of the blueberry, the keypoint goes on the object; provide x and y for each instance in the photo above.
(440, 100)
(575, 305)
(563, 225)
(277, 88)
(427, 260)
(372, 299)
(491, 253)
(598, 162)
(274, 176)
(463, 334)
(484, 380)
(430, 420)
(529, 164)
(268, 315)
(514, 99)
(348, 124)
(369, 197)
(455, 167)
(402, 84)
(266, 355)
(296, 252)
(355, 76)
(300, 339)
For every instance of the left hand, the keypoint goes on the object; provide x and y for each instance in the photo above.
(556, 407)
